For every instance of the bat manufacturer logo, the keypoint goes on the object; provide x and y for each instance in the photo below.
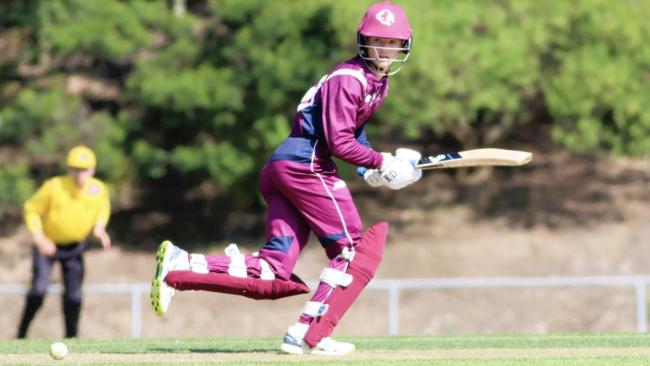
(443, 157)
(385, 17)
(437, 158)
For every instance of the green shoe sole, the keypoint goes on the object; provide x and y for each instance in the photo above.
(157, 279)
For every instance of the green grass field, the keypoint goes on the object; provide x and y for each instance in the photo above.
(502, 350)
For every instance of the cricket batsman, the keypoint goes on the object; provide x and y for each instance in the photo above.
(304, 194)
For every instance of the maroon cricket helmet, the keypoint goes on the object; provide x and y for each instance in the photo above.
(385, 20)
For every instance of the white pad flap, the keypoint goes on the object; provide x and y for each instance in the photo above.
(232, 249)
(198, 264)
(315, 308)
(237, 267)
(335, 277)
(266, 274)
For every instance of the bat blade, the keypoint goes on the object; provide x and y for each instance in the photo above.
(476, 157)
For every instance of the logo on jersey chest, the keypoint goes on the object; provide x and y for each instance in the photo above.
(372, 98)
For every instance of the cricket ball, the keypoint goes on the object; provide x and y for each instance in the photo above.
(58, 351)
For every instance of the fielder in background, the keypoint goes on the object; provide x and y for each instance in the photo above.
(304, 194)
(61, 215)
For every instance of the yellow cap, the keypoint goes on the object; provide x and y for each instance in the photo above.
(81, 157)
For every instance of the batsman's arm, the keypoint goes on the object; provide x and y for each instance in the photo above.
(340, 99)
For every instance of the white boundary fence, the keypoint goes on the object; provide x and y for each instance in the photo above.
(137, 290)
(393, 288)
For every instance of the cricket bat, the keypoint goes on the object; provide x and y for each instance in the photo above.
(476, 157)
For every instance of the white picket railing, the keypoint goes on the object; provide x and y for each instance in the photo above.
(137, 290)
(393, 288)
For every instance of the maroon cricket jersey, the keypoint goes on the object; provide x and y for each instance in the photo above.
(331, 115)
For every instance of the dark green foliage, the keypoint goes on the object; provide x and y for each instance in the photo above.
(215, 104)
(106, 30)
(599, 91)
(17, 13)
(44, 125)
(15, 188)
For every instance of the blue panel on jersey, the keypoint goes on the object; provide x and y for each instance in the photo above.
(298, 149)
(333, 238)
(279, 243)
(311, 122)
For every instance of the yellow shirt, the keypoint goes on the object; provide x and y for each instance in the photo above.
(67, 214)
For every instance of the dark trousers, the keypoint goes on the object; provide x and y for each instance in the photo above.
(72, 267)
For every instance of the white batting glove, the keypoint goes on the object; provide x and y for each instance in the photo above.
(373, 178)
(397, 174)
(410, 155)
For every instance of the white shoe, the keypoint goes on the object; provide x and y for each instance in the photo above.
(168, 258)
(329, 347)
(292, 343)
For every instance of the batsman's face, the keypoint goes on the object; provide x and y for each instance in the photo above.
(383, 51)
(80, 176)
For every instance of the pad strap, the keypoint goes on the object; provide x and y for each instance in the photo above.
(335, 277)
(347, 254)
(198, 264)
(237, 267)
(315, 308)
(266, 274)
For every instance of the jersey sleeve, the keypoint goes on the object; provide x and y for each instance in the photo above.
(36, 206)
(341, 97)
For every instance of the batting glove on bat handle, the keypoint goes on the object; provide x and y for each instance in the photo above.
(402, 153)
(370, 176)
(410, 155)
